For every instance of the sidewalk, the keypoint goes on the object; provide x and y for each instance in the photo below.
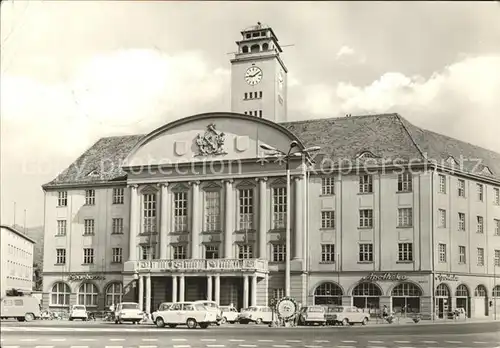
(409, 321)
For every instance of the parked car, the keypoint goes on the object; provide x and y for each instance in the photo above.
(164, 306)
(229, 314)
(22, 308)
(214, 307)
(346, 315)
(311, 315)
(191, 314)
(78, 312)
(256, 314)
(128, 311)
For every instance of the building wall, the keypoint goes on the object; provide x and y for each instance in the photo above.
(17, 262)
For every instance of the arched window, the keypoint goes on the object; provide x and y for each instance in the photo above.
(265, 46)
(442, 290)
(480, 291)
(114, 294)
(244, 49)
(87, 294)
(366, 295)
(367, 289)
(255, 48)
(462, 291)
(328, 293)
(496, 291)
(406, 290)
(59, 295)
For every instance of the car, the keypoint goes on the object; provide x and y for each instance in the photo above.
(78, 312)
(311, 315)
(128, 311)
(212, 306)
(229, 314)
(256, 314)
(346, 315)
(191, 314)
(22, 308)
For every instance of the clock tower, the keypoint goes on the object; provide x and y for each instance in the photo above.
(259, 76)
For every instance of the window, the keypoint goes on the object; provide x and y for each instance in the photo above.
(480, 224)
(117, 226)
(62, 198)
(496, 196)
(442, 218)
(60, 256)
(117, 255)
(405, 252)
(212, 211)
(442, 253)
(279, 207)
(245, 251)
(442, 183)
(180, 211)
(89, 197)
(279, 252)
(461, 188)
(328, 186)
(118, 194)
(461, 254)
(149, 211)
(114, 294)
(496, 291)
(179, 252)
(365, 184)
(59, 295)
(479, 192)
(147, 252)
(278, 293)
(480, 256)
(246, 209)
(496, 224)
(211, 252)
(89, 225)
(87, 295)
(405, 182)
(497, 258)
(61, 227)
(88, 256)
(405, 217)
(260, 94)
(461, 221)
(260, 113)
(328, 219)
(245, 96)
(366, 253)
(328, 253)
(366, 218)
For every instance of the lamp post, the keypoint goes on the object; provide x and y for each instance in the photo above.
(286, 157)
(496, 262)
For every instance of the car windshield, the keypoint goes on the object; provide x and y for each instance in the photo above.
(130, 306)
(79, 308)
(252, 309)
(335, 309)
(315, 309)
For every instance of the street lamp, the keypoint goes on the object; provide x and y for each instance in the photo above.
(496, 262)
(286, 157)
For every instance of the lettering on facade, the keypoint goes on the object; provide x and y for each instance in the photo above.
(391, 277)
(200, 265)
(447, 277)
(211, 143)
(78, 277)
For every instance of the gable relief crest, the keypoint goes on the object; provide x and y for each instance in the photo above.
(211, 142)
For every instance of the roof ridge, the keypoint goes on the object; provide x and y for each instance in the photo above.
(341, 118)
(402, 122)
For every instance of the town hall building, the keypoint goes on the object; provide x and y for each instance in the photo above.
(383, 213)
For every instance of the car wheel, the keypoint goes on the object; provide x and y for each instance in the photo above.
(159, 322)
(258, 321)
(223, 320)
(116, 321)
(172, 326)
(365, 321)
(191, 323)
(204, 325)
(70, 319)
(345, 322)
(29, 317)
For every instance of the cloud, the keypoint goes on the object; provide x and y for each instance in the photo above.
(345, 51)
(456, 100)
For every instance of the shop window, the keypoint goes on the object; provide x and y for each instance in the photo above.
(406, 296)
(496, 291)
(114, 294)
(328, 294)
(480, 291)
(59, 295)
(87, 294)
(367, 296)
(442, 290)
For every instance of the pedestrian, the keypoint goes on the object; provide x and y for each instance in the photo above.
(385, 312)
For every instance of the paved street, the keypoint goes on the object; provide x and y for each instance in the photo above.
(479, 335)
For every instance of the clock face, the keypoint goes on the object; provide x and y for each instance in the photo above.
(253, 75)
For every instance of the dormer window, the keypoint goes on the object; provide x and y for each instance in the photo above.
(366, 154)
(486, 171)
(451, 161)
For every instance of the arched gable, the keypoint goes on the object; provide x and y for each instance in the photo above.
(209, 136)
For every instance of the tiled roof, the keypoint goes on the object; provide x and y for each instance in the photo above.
(386, 136)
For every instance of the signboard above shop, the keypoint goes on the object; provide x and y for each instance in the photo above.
(447, 277)
(385, 277)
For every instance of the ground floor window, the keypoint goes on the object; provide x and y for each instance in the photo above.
(443, 301)
(87, 294)
(463, 299)
(328, 294)
(59, 294)
(367, 296)
(406, 297)
(114, 294)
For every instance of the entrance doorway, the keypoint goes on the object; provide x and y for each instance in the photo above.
(367, 296)
(481, 301)
(406, 295)
(463, 299)
(443, 301)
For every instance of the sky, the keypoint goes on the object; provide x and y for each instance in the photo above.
(75, 71)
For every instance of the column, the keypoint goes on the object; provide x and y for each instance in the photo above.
(228, 223)
(267, 289)
(217, 288)
(195, 222)
(141, 293)
(164, 223)
(148, 293)
(299, 232)
(182, 288)
(174, 288)
(134, 220)
(254, 290)
(209, 288)
(245, 291)
(262, 218)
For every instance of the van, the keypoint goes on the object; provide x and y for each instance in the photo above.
(22, 308)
